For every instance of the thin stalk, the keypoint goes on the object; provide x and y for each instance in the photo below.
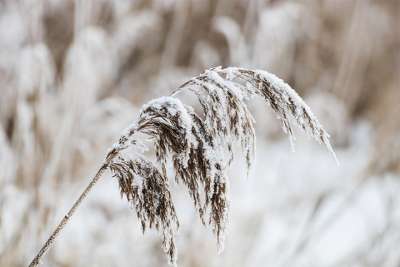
(67, 217)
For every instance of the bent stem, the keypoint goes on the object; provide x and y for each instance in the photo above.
(67, 217)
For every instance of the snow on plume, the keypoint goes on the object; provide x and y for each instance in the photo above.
(199, 147)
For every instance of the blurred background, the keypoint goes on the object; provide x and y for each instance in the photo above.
(73, 74)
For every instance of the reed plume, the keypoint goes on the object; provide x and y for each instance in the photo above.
(199, 148)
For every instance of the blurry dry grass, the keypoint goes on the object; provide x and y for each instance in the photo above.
(69, 68)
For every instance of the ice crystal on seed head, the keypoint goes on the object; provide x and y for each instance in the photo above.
(200, 146)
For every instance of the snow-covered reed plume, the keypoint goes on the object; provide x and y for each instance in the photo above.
(198, 147)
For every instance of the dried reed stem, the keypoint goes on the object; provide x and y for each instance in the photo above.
(67, 217)
(199, 150)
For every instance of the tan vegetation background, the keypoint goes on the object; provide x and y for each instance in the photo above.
(73, 74)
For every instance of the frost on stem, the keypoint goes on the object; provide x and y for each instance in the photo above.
(199, 147)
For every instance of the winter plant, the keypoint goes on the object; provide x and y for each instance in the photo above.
(197, 146)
